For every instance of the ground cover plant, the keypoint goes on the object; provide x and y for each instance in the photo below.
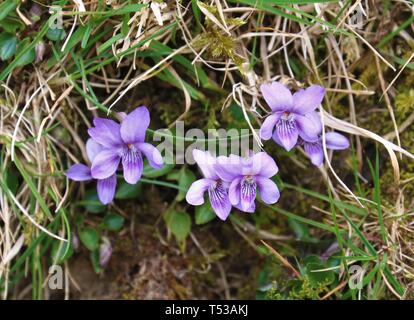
(124, 168)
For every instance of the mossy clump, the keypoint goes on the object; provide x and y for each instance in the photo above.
(303, 289)
(219, 45)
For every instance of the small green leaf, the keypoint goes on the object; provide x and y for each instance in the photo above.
(8, 45)
(91, 202)
(185, 178)
(108, 43)
(86, 35)
(61, 251)
(28, 56)
(127, 191)
(312, 268)
(204, 213)
(302, 231)
(125, 25)
(12, 180)
(319, 277)
(95, 261)
(174, 175)
(55, 34)
(11, 25)
(150, 172)
(90, 238)
(6, 7)
(113, 222)
(311, 259)
(180, 224)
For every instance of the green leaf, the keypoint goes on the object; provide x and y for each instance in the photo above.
(91, 202)
(8, 45)
(317, 277)
(28, 56)
(95, 261)
(113, 222)
(126, 9)
(339, 204)
(109, 43)
(90, 238)
(55, 34)
(204, 213)
(311, 222)
(86, 35)
(128, 191)
(32, 187)
(174, 175)
(11, 24)
(21, 53)
(185, 178)
(297, 15)
(180, 224)
(61, 251)
(301, 231)
(6, 7)
(150, 172)
(12, 180)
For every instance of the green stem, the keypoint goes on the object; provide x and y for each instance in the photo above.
(163, 184)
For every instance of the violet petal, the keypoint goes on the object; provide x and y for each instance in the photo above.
(286, 134)
(219, 200)
(248, 188)
(134, 126)
(92, 149)
(269, 193)
(79, 172)
(106, 132)
(106, 189)
(206, 162)
(314, 152)
(266, 130)
(266, 165)
(307, 100)
(195, 194)
(229, 168)
(152, 154)
(234, 192)
(105, 164)
(307, 128)
(277, 96)
(132, 165)
(251, 209)
(336, 141)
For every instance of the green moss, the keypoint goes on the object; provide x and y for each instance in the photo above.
(303, 289)
(404, 101)
(219, 45)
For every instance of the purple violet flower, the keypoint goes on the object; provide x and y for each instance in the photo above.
(290, 114)
(245, 176)
(124, 143)
(216, 188)
(314, 150)
(80, 172)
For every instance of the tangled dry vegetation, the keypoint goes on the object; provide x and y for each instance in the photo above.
(203, 62)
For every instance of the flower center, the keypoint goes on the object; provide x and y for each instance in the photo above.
(286, 116)
(286, 126)
(248, 188)
(130, 154)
